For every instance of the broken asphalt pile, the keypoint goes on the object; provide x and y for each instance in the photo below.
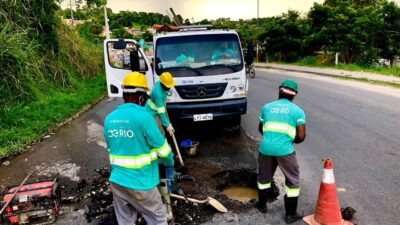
(96, 195)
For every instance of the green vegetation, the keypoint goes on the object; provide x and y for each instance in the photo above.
(47, 72)
(25, 123)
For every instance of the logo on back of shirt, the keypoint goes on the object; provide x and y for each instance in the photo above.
(280, 110)
(120, 133)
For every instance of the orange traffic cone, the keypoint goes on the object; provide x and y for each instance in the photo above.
(328, 209)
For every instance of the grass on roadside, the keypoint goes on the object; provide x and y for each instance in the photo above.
(312, 61)
(22, 124)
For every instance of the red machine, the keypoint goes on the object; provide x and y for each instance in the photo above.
(35, 203)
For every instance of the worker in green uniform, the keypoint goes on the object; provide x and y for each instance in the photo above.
(224, 52)
(156, 105)
(282, 124)
(134, 143)
(185, 58)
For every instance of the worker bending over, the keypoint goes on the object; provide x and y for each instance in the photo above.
(156, 105)
(134, 143)
(282, 123)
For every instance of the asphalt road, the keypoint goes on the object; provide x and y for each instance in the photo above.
(353, 123)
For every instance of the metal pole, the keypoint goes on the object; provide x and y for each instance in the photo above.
(72, 12)
(258, 14)
(107, 28)
(258, 11)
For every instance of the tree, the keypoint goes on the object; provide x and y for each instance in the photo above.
(95, 3)
(284, 36)
(346, 27)
(390, 34)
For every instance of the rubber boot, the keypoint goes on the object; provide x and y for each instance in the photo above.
(291, 210)
(261, 205)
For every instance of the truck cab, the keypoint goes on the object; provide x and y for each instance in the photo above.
(207, 65)
(209, 73)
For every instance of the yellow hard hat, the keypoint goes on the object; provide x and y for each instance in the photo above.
(167, 80)
(133, 81)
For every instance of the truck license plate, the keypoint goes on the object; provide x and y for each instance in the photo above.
(203, 117)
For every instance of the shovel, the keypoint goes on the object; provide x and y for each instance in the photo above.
(177, 150)
(211, 201)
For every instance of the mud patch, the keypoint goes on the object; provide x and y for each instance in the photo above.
(95, 133)
(61, 168)
(241, 194)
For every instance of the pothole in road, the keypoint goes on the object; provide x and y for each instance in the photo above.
(241, 185)
(241, 194)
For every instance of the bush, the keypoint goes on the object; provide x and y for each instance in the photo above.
(20, 65)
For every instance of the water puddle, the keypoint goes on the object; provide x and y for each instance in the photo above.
(241, 185)
(242, 194)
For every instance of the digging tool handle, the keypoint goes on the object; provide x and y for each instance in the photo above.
(15, 192)
(177, 150)
(189, 199)
(175, 143)
(211, 201)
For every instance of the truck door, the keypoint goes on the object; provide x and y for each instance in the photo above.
(117, 61)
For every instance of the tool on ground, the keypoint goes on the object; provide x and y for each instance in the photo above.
(211, 201)
(34, 203)
(190, 147)
(327, 211)
(177, 150)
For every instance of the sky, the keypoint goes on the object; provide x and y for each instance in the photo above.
(212, 9)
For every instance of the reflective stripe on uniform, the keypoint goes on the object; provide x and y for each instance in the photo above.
(164, 150)
(280, 128)
(154, 107)
(133, 162)
(292, 192)
(263, 186)
(300, 121)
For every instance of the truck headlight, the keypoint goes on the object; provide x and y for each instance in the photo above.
(233, 88)
(241, 87)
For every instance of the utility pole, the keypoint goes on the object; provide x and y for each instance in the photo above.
(72, 13)
(258, 11)
(107, 28)
(258, 15)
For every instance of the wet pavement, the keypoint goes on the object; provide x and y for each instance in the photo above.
(347, 121)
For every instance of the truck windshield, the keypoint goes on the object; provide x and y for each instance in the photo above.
(199, 55)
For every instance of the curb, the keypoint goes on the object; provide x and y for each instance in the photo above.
(371, 81)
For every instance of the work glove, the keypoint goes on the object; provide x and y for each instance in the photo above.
(170, 130)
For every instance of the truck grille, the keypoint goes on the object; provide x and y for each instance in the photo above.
(201, 91)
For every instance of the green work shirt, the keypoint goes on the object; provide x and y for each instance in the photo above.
(156, 104)
(134, 143)
(181, 59)
(279, 120)
(218, 54)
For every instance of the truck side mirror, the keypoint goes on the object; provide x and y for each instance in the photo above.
(135, 61)
(249, 58)
(120, 44)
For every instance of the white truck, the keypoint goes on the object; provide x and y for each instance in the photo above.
(207, 65)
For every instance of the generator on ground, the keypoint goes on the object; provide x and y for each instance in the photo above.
(34, 203)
